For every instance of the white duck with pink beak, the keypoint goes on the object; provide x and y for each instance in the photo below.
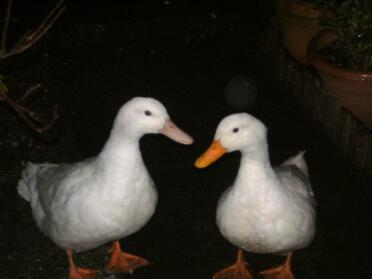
(83, 205)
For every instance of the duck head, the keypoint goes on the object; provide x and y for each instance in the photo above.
(141, 116)
(236, 132)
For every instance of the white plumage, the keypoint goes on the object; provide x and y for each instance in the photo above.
(86, 204)
(266, 210)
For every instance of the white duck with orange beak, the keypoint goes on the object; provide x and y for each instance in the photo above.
(266, 210)
(83, 205)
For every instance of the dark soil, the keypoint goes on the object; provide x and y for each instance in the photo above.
(92, 61)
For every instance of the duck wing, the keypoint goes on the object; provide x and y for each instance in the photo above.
(59, 182)
(297, 160)
(295, 181)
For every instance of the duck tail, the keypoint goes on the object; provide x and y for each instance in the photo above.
(299, 161)
(27, 181)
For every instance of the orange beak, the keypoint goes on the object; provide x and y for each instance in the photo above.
(213, 153)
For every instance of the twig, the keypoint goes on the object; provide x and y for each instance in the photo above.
(29, 117)
(28, 92)
(32, 119)
(45, 25)
(29, 38)
(19, 44)
(5, 28)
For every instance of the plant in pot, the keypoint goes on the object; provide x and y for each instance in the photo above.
(298, 21)
(342, 54)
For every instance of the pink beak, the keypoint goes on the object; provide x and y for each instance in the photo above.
(173, 132)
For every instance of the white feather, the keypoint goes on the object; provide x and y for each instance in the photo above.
(265, 210)
(86, 204)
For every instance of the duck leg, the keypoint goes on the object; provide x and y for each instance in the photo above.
(79, 272)
(123, 262)
(238, 270)
(281, 272)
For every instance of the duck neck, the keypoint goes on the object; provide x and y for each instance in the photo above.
(120, 146)
(255, 165)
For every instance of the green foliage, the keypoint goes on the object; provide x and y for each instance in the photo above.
(351, 20)
(3, 88)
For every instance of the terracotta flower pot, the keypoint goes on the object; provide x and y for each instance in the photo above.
(299, 23)
(352, 89)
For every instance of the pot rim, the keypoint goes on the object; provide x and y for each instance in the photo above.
(298, 8)
(319, 42)
(304, 8)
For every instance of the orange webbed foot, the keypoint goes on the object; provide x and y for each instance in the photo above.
(79, 272)
(281, 272)
(124, 262)
(238, 270)
(82, 273)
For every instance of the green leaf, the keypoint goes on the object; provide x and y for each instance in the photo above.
(3, 87)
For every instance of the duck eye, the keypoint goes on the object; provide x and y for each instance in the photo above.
(148, 113)
(235, 130)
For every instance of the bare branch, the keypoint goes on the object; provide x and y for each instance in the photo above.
(31, 37)
(5, 27)
(47, 22)
(28, 92)
(18, 45)
(32, 119)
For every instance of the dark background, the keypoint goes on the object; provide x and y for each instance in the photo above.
(99, 55)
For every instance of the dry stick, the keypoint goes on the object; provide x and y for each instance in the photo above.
(29, 38)
(28, 116)
(28, 92)
(18, 45)
(5, 27)
(44, 26)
